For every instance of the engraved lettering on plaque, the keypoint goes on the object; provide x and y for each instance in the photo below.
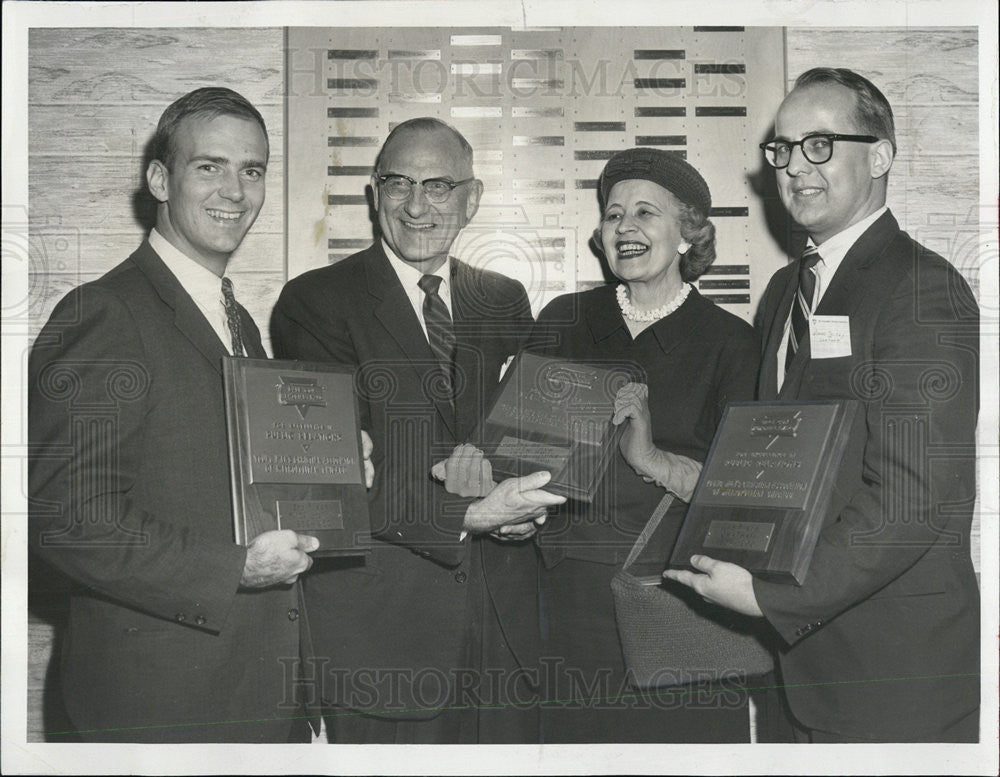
(761, 461)
(300, 393)
(312, 515)
(285, 446)
(739, 535)
(550, 457)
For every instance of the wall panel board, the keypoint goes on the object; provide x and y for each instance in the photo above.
(544, 110)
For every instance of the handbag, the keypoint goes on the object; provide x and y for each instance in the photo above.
(671, 636)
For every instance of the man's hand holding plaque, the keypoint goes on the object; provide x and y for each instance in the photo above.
(764, 493)
(299, 460)
(277, 557)
(513, 509)
(720, 582)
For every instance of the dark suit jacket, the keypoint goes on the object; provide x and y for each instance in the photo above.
(409, 607)
(883, 636)
(130, 497)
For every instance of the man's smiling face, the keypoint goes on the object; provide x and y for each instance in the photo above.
(827, 198)
(214, 189)
(417, 230)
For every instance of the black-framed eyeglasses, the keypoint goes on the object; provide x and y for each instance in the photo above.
(398, 187)
(816, 148)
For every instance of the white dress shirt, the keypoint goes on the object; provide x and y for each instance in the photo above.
(832, 253)
(203, 286)
(410, 277)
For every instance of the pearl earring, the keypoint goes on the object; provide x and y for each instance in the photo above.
(683, 248)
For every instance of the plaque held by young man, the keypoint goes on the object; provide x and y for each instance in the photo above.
(765, 488)
(295, 453)
(554, 415)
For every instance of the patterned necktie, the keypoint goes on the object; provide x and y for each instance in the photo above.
(802, 306)
(440, 334)
(233, 317)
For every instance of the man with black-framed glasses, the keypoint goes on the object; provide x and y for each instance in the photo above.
(430, 640)
(882, 638)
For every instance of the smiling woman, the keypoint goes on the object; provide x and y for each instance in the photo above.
(694, 358)
(654, 231)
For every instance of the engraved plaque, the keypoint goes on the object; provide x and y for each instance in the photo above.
(295, 452)
(308, 516)
(765, 488)
(766, 457)
(303, 435)
(554, 415)
(550, 457)
(739, 535)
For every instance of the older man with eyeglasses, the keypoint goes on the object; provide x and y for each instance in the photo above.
(882, 638)
(434, 638)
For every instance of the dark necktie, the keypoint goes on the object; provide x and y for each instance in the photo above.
(440, 334)
(802, 305)
(233, 317)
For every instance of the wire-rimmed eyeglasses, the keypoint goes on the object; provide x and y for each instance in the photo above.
(398, 187)
(816, 148)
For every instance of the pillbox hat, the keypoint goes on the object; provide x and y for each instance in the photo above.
(665, 168)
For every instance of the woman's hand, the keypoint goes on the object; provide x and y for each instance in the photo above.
(632, 404)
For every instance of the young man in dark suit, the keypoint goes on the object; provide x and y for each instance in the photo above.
(176, 634)
(882, 639)
(434, 638)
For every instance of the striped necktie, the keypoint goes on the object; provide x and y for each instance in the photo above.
(440, 335)
(802, 306)
(233, 317)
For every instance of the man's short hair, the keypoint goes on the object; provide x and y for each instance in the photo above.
(872, 112)
(425, 124)
(208, 102)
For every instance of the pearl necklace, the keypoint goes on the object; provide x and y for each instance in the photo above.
(631, 314)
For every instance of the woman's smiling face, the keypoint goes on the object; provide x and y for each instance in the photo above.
(640, 232)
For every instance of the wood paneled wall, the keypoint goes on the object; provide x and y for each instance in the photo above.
(94, 98)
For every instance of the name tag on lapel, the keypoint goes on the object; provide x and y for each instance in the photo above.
(829, 337)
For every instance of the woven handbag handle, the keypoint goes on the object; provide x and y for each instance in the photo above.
(650, 527)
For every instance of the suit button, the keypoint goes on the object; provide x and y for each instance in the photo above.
(200, 620)
(461, 577)
(293, 614)
(180, 617)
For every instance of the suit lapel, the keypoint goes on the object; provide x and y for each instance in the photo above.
(844, 294)
(188, 319)
(466, 300)
(394, 312)
(846, 291)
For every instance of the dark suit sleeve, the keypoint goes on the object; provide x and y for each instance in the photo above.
(88, 395)
(917, 481)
